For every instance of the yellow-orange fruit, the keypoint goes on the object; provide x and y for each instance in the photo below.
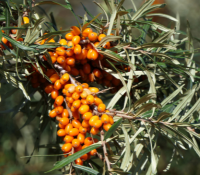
(67, 147)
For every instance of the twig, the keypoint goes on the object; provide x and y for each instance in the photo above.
(104, 150)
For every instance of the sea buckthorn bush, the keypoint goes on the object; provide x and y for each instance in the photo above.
(113, 85)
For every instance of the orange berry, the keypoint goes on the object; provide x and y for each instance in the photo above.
(83, 109)
(73, 109)
(68, 139)
(76, 104)
(71, 45)
(61, 126)
(94, 131)
(88, 141)
(97, 124)
(84, 157)
(115, 81)
(75, 30)
(69, 36)
(59, 100)
(97, 101)
(78, 148)
(54, 94)
(82, 130)
(73, 132)
(76, 40)
(86, 68)
(97, 73)
(57, 85)
(86, 32)
(63, 42)
(48, 89)
(65, 77)
(71, 89)
(93, 119)
(79, 89)
(78, 161)
(60, 51)
(67, 147)
(69, 52)
(53, 59)
(101, 36)
(92, 36)
(76, 123)
(85, 85)
(84, 146)
(54, 78)
(111, 120)
(69, 99)
(52, 113)
(101, 107)
(87, 116)
(81, 138)
(90, 51)
(26, 20)
(94, 89)
(78, 50)
(84, 94)
(64, 121)
(96, 44)
(85, 123)
(68, 127)
(67, 68)
(84, 102)
(68, 85)
(74, 72)
(107, 45)
(65, 113)
(90, 99)
(84, 54)
(93, 55)
(105, 118)
(91, 77)
(50, 72)
(76, 114)
(61, 132)
(75, 143)
(70, 61)
(14, 31)
(75, 95)
(106, 126)
(59, 109)
(60, 59)
(93, 152)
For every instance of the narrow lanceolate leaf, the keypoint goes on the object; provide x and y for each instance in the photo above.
(112, 129)
(163, 115)
(68, 6)
(74, 156)
(183, 103)
(153, 159)
(107, 39)
(146, 107)
(86, 169)
(153, 45)
(18, 44)
(144, 99)
(127, 151)
(116, 98)
(118, 171)
(87, 24)
(112, 55)
(164, 16)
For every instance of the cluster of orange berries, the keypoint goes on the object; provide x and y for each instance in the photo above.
(82, 101)
(82, 59)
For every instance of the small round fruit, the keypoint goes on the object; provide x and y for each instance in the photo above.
(68, 139)
(59, 100)
(61, 132)
(83, 109)
(93, 119)
(67, 147)
(92, 36)
(73, 132)
(107, 126)
(76, 143)
(101, 107)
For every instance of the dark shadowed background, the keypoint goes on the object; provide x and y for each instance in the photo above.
(16, 142)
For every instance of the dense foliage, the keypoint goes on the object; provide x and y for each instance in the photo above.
(113, 85)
